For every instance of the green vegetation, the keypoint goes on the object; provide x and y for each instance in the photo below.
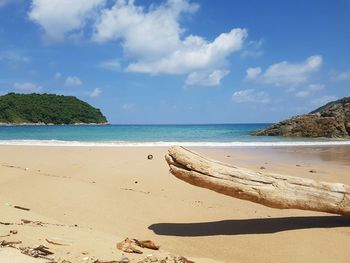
(47, 108)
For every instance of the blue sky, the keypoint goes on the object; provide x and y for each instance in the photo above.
(179, 61)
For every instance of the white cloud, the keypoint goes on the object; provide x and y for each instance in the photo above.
(285, 73)
(13, 56)
(58, 75)
(302, 94)
(112, 64)
(144, 32)
(339, 76)
(252, 73)
(193, 54)
(253, 49)
(323, 100)
(73, 81)
(95, 93)
(311, 88)
(59, 18)
(128, 107)
(212, 78)
(27, 87)
(290, 74)
(154, 41)
(315, 87)
(250, 95)
(152, 38)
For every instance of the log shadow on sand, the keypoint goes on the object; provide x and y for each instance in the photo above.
(249, 226)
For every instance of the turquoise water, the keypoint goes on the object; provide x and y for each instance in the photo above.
(201, 135)
(135, 133)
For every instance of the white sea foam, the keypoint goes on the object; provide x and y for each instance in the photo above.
(167, 144)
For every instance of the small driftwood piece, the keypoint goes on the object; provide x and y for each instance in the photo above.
(22, 208)
(146, 244)
(269, 189)
(127, 245)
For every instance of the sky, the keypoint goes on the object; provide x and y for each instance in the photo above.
(179, 61)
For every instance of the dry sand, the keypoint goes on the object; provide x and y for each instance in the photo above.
(91, 198)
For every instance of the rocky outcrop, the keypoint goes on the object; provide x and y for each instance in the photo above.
(331, 120)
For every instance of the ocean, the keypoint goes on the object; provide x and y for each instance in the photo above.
(206, 135)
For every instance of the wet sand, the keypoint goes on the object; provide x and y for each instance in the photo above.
(90, 198)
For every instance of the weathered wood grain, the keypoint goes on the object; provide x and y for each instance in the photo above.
(269, 189)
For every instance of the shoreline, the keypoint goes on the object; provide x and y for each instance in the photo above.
(204, 144)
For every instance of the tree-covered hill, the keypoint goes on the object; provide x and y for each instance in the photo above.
(48, 109)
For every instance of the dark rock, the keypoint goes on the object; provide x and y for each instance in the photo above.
(331, 120)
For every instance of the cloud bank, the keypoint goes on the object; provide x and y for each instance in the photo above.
(72, 81)
(27, 87)
(286, 73)
(250, 95)
(60, 18)
(152, 38)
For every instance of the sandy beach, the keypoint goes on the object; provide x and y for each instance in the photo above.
(89, 198)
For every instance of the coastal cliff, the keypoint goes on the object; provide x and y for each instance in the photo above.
(331, 120)
(42, 109)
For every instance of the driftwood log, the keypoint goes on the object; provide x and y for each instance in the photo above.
(269, 189)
